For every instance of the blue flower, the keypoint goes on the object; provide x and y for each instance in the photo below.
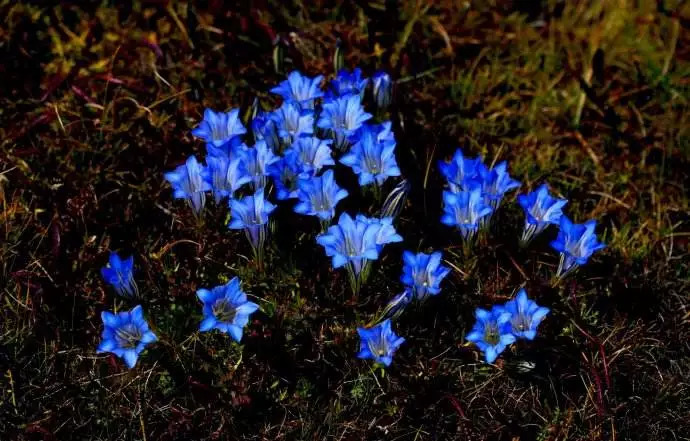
(264, 128)
(225, 175)
(342, 116)
(125, 334)
(251, 215)
(379, 343)
(219, 128)
(423, 273)
(372, 160)
(286, 174)
(386, 231)
(464, 210)
(120, 275)
(312, 153)
(346, 82)
(383, 89)
(525, 315)
(541, 209)
(303, 90)
(226, 309)
(318, 196)
(576, 243)
(293, 122)
(350, 242)
(495, 183)
(256, 161)
(461, 173)
(491, 333)
(188, 182)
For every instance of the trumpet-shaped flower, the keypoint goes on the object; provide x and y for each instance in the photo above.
(256, 161)
(312, 153)
(423, 273)
(464, 210)
(188, 182)
(525, 315)
(251, 215)
(125, 334)
(491, 333)
(225, 175)
(286, 174)
(219, 128)
(350, 241)
(293, 122)
(226, 309)
(300, 89)
(319, 195)
(576, 243)
(461, 173)
(371, 160)
(346, 82)
(386, 231)
(343, 116)
(379, 343)
(120, 276)
(541, 209)
(382, 88)
(496, 182)
(264, 129)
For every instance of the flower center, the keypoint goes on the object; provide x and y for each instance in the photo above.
(128, 336)
(224, 311)
(491, 334)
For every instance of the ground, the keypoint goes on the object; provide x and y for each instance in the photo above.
(99, 98)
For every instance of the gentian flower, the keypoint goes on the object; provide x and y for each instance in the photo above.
(125, 334)
(300, 89)
(188, 182)
(491, 333)
(461, 173)
(318, 196)
(371, 160)
(346, 83)
(256, 161)
(383, 89)
(225, 175)
(226, 309)
(464, 210)
(379, 343)
(525, 315)
(541, 209)
(293, 122)
(120, 276)
(286, 174)
(312, 153)
(576, 243)
(264, 128)
(495, 183)
(220, 128)
(342, 116)
(350, 242)
(251, 215)
(386, 233)
(423, 273)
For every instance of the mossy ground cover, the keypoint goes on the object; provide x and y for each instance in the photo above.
(98, 101)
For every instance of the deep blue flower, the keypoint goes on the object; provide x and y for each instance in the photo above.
(256, 161)
(576, 243)
(541, 209)
(226, 309)
(300, 89)
(386, 231)
(319, 195)
(491, 333)
(383, 89)
(461, 173)
(120, 275)
(293, 122)
(264, 128)
(346, 82)
(188, 182)
(286, 174)
(371, 160)
(125, 334)
(350, 242)
(251, 215)
(225, 175)
(220, 128)
(423, 273)
(312, 153)
(379, 343)
(464, 210)
(496, 182)
(342, 117)
(525, 315)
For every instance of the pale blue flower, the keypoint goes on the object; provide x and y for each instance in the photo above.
(226, 309)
